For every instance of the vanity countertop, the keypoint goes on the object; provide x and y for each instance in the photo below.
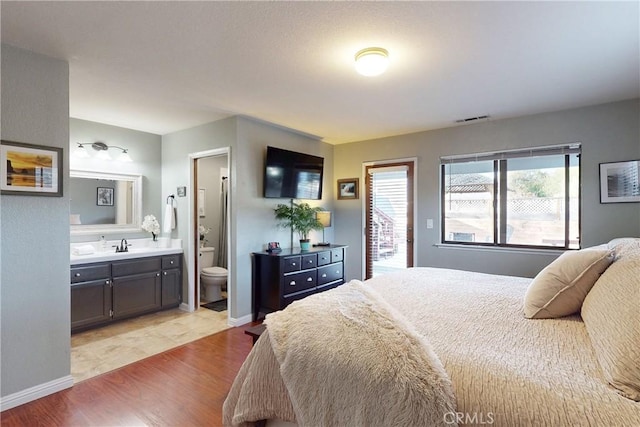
(139, 248)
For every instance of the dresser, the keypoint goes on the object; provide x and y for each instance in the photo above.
(278, 279)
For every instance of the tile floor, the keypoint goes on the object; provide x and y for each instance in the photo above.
(100, 350)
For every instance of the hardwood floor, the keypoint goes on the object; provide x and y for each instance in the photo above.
(185, 386)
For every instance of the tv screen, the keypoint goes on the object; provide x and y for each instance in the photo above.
(292, 175)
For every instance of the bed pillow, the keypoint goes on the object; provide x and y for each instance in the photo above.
(561, 287)
(611, 314)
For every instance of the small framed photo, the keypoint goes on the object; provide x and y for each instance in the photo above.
(620, 182)
(30, 170)
(105, 196)
(348, 188)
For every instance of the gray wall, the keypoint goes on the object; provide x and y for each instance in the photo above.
(608, 133)
(35, 271)
(82, 200)
(252, 220)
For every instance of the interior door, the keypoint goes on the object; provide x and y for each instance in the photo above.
(389, 232)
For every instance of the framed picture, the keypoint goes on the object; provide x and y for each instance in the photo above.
(30, 170)
(348, 188)
(105, 196)
(620, 182)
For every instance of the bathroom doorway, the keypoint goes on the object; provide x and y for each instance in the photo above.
(211, 198)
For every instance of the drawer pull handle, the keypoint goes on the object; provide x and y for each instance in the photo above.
(157, 274)
(309, 279)
(324, 275)
(77, 275)
(337, 271)
(293, 263)
(107, 282)
(171, 262)
(292, 283)
(310, 261)
(165, 273)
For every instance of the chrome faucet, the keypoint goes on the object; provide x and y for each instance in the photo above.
(124, 246)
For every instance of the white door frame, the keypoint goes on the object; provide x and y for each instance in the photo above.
(414, 160)
(193, 243)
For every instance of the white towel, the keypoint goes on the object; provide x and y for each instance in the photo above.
(169, 222)
(84, 250)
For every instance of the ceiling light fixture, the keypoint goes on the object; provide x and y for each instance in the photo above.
(372, 61)
(103, 152)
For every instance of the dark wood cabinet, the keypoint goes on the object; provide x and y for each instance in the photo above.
(171, 281)
(104, 292)
(90, 296)
(278, 279)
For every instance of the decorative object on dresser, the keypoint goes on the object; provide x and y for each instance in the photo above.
(300, 218)
(324, 217)
(278, 279)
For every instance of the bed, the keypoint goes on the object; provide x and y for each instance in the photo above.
(326, 360)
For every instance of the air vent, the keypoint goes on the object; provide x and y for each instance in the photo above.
(473, 119)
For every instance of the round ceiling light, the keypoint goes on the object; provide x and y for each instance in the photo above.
(372, 61)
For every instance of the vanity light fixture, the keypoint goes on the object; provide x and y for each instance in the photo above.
(372, 61)
(103, 152)
(80, 152)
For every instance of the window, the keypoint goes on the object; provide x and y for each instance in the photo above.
(525, 198)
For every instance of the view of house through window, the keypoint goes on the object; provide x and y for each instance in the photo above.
(520, 198)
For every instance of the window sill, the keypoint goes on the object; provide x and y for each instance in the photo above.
(533, 251)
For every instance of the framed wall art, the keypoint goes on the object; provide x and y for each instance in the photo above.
(347, 188)
(620, 182)
(105, 196)
(30, 170)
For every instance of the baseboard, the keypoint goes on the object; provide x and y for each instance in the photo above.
(36, 392)
(240, 320)
(184, 307)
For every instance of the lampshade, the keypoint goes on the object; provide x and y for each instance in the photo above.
(324, 217)
(372, 61)
(80, 152)
(124, 157)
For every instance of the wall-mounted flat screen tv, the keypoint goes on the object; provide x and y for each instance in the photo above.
(292, 175)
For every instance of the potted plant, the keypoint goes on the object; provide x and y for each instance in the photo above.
(301, 218)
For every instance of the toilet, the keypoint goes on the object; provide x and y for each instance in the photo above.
(212, 279)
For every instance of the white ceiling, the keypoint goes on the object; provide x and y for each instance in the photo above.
(160, 67)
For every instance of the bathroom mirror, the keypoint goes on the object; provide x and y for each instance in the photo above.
(104, 202)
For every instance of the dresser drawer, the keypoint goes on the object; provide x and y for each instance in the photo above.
(324, 258)
(299, 281)
(171, 261)
(329, 273)
(90, 272)
(290, 264)
(288, 299)
(337, 255)
(309, 261)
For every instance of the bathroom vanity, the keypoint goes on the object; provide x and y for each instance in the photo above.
(106, 287)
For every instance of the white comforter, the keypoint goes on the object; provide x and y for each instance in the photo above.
(506, 370)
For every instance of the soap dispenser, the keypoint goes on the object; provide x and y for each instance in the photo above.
(103, 243)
